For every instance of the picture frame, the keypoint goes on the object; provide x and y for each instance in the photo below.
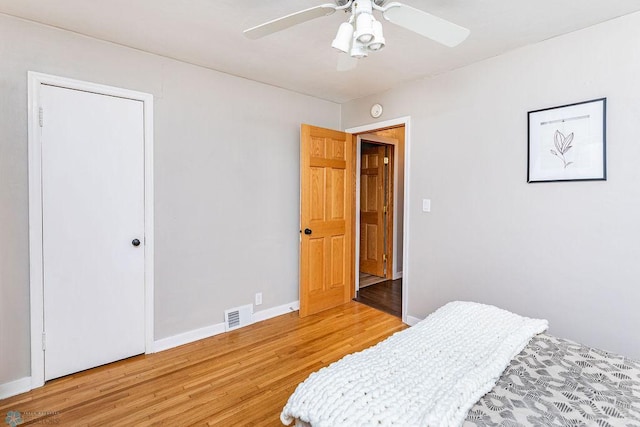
(568, 143)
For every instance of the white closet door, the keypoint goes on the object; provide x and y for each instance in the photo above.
(93, 209)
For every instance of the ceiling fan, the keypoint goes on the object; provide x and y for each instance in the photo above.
(362, 33)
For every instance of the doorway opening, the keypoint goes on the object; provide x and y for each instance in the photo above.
(330, 213)
(380, 212)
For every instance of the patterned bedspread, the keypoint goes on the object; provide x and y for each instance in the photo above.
(556, 382)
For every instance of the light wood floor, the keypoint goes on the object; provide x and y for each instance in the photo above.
(239, 378)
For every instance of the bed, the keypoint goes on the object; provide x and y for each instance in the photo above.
(473, 365)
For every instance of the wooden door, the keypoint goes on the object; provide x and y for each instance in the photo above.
(327, 173)
(93, 209)
(372, 206)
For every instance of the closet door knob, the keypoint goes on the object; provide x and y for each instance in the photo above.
(135, 242)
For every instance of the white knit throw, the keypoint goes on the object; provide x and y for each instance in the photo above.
(428, 375)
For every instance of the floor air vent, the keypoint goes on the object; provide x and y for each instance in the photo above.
(238, 317)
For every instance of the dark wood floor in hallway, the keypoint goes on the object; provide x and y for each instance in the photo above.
(385, 296)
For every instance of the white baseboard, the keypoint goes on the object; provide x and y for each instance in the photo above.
(218, 328)
(412, 320)
(397, 275)
(15, 387)
(259, 316)
(188, 337)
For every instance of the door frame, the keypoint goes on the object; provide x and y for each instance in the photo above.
(393, 226)
(368, 128)
(36, 270)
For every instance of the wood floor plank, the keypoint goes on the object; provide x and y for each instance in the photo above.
(239, 378)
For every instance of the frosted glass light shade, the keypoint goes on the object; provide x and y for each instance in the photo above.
(358, 50)
(364, 28)
(378, 41)
(343, 38)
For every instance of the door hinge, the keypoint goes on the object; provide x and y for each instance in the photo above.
(384, 257)
(386, 160)
(384, 209)
(44, 341)
(41, 116)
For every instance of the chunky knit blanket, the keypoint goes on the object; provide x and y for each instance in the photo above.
(428, 375)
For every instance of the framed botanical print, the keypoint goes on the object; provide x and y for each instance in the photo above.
(568, 143)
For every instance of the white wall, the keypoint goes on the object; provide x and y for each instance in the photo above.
(226, 180)
(569, 252)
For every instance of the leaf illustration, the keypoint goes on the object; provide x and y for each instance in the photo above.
(568, 140)
(563, 144)
(557, 140)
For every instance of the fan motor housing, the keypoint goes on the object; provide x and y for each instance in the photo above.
(343, 2)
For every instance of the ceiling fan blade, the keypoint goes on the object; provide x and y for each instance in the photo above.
(346, 62)
(425, 24)
(289, 21)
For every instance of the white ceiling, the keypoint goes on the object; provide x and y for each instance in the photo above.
(209, 33)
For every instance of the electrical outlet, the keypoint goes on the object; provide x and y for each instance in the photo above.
(259, 298)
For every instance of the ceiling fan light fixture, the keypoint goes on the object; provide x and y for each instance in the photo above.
(364, 28)
(343, 39)
(362, 33)
(378, 41)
